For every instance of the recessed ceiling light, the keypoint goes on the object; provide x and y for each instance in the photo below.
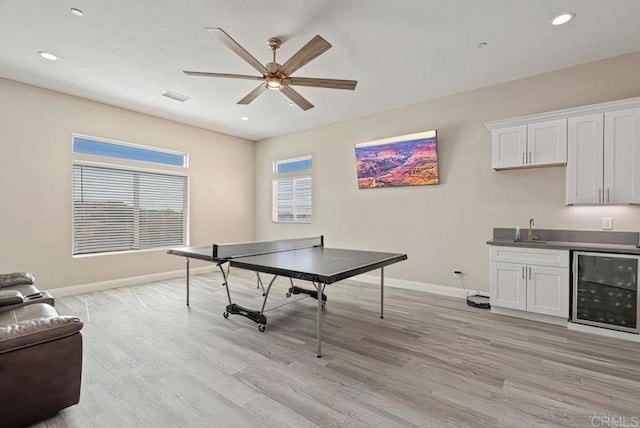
(47, 55)
(563, 18)
(76, 12)
(291, 104)
(244, 118)
(483, 45)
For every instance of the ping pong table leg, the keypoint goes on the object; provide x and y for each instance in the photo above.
(266, 293)
(225, 280)
(259, 282)
(382, 292)
(320, 288)
(187, 281)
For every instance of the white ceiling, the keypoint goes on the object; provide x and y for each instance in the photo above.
(126, 53)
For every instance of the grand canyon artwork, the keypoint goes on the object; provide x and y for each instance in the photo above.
(407, 160)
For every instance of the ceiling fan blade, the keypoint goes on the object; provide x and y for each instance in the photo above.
(253, 95)
(323, 83)
(295, 96)
(231, 76)
(311, 50)
(228, 41)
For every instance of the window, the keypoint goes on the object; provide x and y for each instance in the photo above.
(292, 165)
(292, 190)
(124, 151)
(122, 207)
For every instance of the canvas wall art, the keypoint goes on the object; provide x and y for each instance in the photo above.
(407, 160)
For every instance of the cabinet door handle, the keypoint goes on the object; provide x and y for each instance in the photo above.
(529, 161)
(607, 195)
(599, 195)
(522, 272)
(529, 272)
(523, 162)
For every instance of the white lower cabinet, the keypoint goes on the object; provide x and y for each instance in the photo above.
(519, 281)
(548, 291)
(508, 286)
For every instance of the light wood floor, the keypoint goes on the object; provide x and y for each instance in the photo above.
(149, 361)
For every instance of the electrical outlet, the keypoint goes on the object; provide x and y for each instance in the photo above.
(607, 223)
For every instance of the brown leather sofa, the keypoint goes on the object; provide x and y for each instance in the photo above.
(40, 363)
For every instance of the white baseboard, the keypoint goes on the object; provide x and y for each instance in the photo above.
(125, 282)
(529, 316)
(442, 290)
(604, 332)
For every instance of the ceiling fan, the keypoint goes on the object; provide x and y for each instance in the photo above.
(276, 76)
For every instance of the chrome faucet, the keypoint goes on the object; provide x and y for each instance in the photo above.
(531, 236)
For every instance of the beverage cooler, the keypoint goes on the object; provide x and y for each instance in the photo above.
(605, 290)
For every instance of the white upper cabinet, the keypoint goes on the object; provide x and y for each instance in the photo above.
(509, 147)
(604, 158)
(599, 144)
(547, 142)
(530, 145)
(585, 159)
(622, 157)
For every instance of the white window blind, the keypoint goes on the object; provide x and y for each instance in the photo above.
(123, 209)
(292, 199)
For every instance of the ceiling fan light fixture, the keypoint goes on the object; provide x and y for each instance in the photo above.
(273, 83)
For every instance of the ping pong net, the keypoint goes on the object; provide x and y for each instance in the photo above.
(245, 249)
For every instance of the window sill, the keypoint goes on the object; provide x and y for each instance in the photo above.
(116, 253)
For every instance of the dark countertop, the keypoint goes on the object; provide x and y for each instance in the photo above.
(575, 240)
(574, 246)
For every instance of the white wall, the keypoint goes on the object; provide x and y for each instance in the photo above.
(35, 184)
(443, 228)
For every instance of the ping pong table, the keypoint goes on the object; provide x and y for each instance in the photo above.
(304, 259)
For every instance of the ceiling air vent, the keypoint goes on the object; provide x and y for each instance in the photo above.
(175, 96)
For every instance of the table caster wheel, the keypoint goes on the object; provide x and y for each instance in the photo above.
(324, 304)
(261, 328)
(288, 295)
(225, 314)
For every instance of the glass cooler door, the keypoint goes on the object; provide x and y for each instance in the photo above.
(605, 290)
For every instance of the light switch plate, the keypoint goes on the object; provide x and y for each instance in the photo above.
(607, 223)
